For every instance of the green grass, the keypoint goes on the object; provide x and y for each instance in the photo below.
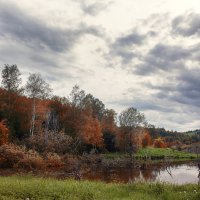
(166, 152)
(29, 187)
(155, 153)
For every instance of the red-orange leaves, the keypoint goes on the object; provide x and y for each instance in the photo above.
(146, 141)
(3, 133)
(159, 143)
(91, 132)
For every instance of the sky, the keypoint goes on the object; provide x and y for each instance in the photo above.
(128, 53)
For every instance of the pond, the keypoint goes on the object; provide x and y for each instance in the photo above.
(171, 173)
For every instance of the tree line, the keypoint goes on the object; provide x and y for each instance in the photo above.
(32, 115)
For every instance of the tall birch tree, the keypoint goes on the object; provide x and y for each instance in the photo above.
(36, 88)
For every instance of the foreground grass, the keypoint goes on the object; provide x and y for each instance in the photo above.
(29, 187)
(155, 153)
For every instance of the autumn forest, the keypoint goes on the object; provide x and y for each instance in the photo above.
(31, 115)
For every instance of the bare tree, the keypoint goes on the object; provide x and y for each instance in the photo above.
(77, 96)
(36, 88)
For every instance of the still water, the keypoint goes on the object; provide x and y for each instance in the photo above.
(170, 173)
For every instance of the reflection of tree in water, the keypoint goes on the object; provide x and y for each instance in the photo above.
(113, 174)
(153, 171)
(125, 175)
(148, 172)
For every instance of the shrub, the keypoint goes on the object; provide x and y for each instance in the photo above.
(70, 161)
(57, 142)
(18, 157)
(53, 160)
(32, 160)
(10, 155)
(159, 143)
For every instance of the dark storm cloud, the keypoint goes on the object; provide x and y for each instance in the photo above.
(172, 53)
(124, 46)
(188, 90)
(179, 95)
(15, 52)
(187, 25)
(125, 55)
(185, 89)
(141, 104)
(149, 104)
(133, 38)
(30, 61)
(163, 57)
(34, 33)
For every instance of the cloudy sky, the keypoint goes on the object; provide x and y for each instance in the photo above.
(144, 54)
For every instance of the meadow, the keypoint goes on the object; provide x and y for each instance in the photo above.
(29, 188)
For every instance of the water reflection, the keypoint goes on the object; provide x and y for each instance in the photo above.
(173, 173)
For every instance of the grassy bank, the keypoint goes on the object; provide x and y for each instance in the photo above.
(29, 187)
(155, 154)
(165, 153)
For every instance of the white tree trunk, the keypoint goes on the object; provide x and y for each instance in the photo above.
(32, 128)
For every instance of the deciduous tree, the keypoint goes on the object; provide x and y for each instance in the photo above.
(11, 78)
(36, 88)
(131, 124)
(109, 129)
(90, 132)
(146, 140)
(95, 105)
(11, 84)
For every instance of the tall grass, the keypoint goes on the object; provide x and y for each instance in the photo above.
(29, 188)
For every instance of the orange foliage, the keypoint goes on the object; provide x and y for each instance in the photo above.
(19, 157)
(4, 132)
(159, 143)
(54, 160)
(134, 137)
(146, 141)
(91, 132)
(42, 108)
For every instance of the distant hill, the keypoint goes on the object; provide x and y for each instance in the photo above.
(187, 137)
(194, 132)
